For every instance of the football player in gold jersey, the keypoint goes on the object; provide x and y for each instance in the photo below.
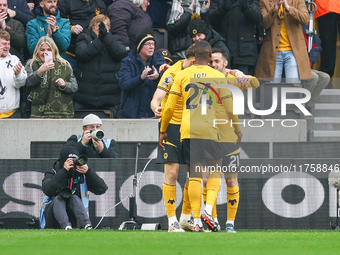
(198, 134)
(171, 156)
(231, 150)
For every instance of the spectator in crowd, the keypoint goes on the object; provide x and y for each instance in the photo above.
(66, 188)
(157, 12)
(178, 19)
(12, 77)
(235, 21)
(283, 45)
(166, 54)
(48, 23)
(320, 79)
(92, 147)
(198, 30)
(79, 13)
(328, 17)
(19, 10)
(99, 54)
(139, 78)
(128, 19)
(15, 29)
(31, 4)
(107, 3)
(52, 81)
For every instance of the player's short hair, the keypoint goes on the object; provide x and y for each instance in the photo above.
(202, 50)
(222, 51)
(5, 35)
(190, 52)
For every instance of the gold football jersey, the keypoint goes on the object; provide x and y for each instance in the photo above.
(165, 84)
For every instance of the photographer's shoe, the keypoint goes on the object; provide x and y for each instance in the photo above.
(68, 228)
(88, 226)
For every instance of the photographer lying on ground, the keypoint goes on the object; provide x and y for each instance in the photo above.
(66, 188)
(91, 143)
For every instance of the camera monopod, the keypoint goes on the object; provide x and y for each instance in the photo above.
(311, 7)
(133, 224)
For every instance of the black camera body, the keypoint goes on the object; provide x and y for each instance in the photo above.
(66, 192)
(78, 161)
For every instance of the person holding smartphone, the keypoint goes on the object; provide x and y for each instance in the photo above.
(52, 81)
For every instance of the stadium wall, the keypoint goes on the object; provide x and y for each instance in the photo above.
(17, 134)
(271, 199)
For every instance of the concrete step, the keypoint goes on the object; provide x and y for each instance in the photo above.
(326, 110)
(329, 96)
(324, 135)
(323, 123)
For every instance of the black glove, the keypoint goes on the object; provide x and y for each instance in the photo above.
(102, 31)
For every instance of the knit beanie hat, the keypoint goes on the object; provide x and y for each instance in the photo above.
(91, 119)
(68, 152)
(198, 26)
(143, 38)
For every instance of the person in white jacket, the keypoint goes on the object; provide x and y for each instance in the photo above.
(12, 78)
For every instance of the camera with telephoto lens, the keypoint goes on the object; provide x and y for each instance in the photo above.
(97, 134)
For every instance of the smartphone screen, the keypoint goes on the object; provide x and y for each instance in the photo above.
(48, 57)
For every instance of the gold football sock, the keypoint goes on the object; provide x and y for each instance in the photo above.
(169, 195)
(195, 195)
(214, 212)
(213, 186)
(233, 199)
(186, 208)
(204, 194)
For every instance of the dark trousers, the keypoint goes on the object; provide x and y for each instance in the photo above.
(61, 213)
(329, 27)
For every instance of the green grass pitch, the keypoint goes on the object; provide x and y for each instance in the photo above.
(98, 242)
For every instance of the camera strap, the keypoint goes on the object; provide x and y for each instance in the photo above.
(71, 184)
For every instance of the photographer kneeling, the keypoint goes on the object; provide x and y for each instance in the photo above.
(66, 188)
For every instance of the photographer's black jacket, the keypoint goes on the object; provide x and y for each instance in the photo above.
(55, 181)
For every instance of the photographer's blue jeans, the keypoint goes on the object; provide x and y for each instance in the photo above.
(62, 208)
(287, 60)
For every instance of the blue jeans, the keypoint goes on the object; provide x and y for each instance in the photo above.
(287, 60)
